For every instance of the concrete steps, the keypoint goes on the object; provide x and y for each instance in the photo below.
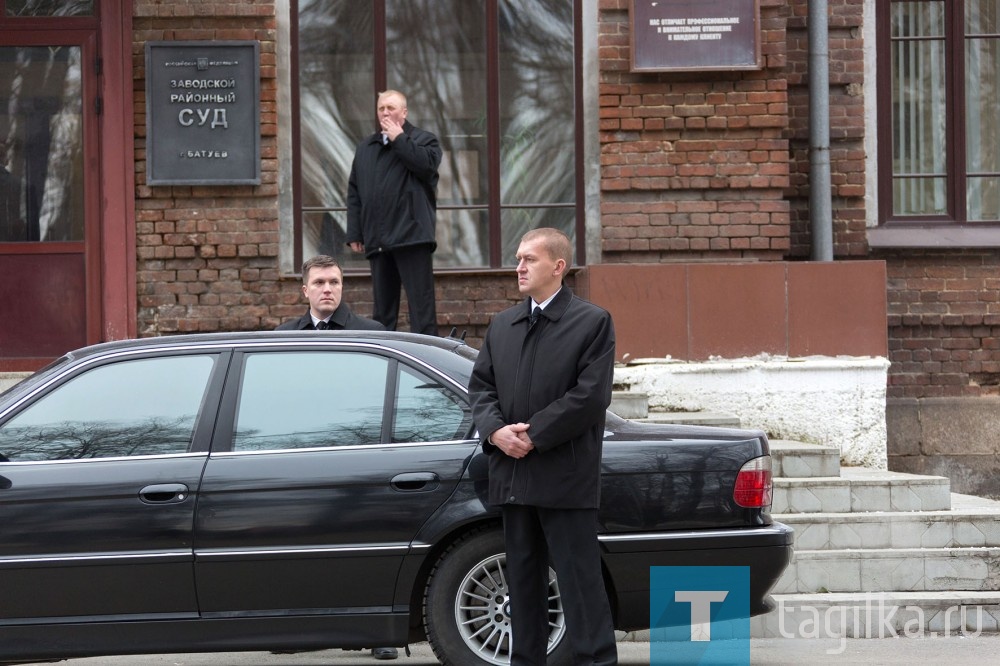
(861, 489)
(635, 406)
(879, 553)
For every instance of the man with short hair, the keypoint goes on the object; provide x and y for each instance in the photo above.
(391, 213)
(540, 389)
(323, 287)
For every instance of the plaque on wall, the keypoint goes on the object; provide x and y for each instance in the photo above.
(694, 35)
(203, 113)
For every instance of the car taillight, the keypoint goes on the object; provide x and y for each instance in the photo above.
(753, 484)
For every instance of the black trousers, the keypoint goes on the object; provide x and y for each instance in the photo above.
(532, 536)
(411, 268)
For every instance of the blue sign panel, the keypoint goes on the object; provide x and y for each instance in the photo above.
(699, 615)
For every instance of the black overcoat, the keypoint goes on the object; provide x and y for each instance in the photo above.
(391, 192)
(557, 377)
(343, 318)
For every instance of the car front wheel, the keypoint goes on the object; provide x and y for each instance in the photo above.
(467, 605)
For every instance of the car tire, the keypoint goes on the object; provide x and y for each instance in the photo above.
(466, 605)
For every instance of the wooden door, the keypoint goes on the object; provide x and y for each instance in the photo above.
(49, 179)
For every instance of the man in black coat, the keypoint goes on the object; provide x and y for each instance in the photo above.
(323, 287)
(391, 213)
(539, 389)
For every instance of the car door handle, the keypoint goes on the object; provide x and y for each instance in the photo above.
(164, 493)
(415, 481)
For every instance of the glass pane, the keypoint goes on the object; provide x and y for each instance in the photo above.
(427, 411)
(537, 120)
(918, 124)
(280, 409)
(983, 199)
(463, 239)
(41, 144)
(336, 101)
(50, 7)
(323, 232)
(982, 105)
(518, 221)
(144, 407)
(918, 19)
(436, 56)
(919, 196)
(982, 17)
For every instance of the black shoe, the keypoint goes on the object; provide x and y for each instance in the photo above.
(385, 653)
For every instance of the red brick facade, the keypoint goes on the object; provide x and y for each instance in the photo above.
(207, 257)
(693, 167)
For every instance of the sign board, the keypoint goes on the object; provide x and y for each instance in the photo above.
(686, 35)
(203, 113)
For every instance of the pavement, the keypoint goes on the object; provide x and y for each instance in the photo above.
(967, 651)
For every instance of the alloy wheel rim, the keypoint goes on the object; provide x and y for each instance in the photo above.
(482, 611)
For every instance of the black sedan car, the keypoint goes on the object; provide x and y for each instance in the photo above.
(305, 490)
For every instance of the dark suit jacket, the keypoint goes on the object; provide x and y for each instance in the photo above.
(557, 377)
(342, 319)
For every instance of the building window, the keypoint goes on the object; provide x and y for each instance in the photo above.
(495, 80)
(939, 95)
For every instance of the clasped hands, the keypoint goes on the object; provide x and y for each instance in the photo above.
(513, 440)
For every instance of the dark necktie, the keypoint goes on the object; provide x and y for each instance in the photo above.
(322, 326)
(535, 312)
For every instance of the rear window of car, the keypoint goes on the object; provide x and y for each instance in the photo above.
(122, 409)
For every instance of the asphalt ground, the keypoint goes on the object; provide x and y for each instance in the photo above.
(969, 651)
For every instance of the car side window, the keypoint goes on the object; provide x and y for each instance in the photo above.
(127, 408)
(295, 400)
(426, 411)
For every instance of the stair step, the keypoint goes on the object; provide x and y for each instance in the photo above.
(861, 489)
(880, 615)
(694, 418)
(971, 522)
(629, 404)
(891, 569)
(801, 459)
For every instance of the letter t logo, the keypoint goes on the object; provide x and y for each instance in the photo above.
(701, 606)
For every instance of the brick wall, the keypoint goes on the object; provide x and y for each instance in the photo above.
(693, 165)
(206, 257)
(944, 324)
(943, 306)
(707, 165)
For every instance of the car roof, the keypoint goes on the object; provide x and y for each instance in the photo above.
(392, 339)
(450, 356)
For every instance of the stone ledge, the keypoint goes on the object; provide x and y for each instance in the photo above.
(835, 401)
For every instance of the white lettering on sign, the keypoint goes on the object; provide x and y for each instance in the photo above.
(694, 29)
